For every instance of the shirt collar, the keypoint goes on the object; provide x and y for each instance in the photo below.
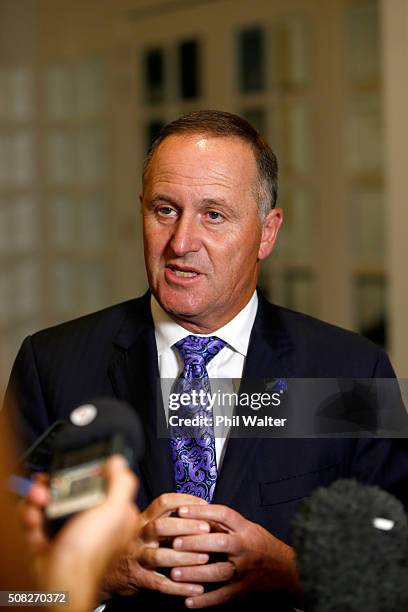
(235, 333)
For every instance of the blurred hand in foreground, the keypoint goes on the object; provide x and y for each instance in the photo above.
(87, 546)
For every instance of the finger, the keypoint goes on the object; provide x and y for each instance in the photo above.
(214, 598)
(31, 517)
(166, 557)
(212, 572)
(121, 483)
(168, 526)
(214, 512)
(158, 582)
(211, 542)
(30, 509)
(214, 526)
(32, 521)
(38, 494)
(169, 502)
(36, 540)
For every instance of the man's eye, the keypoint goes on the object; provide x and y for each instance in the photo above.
(165, 211)
(213, 215)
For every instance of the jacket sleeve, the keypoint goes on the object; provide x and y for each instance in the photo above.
(24, 401)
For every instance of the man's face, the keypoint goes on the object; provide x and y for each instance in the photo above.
(202, 234)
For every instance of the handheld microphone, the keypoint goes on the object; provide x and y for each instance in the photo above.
(352, 547)
(79, 450)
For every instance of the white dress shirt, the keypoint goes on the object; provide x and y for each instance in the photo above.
(228, 364)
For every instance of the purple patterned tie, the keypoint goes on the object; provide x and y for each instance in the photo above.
(194, 460)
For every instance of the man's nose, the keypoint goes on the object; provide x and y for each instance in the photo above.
(186, 236)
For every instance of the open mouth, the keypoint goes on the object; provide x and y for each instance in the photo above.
(183, 273)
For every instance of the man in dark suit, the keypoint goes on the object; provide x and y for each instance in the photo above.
(208, 201)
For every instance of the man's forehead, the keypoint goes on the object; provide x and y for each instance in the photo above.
(202, 155)
(203, 141)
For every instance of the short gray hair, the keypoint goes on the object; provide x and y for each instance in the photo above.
(219, 123)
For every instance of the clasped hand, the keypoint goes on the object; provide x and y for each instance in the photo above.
(254, 558)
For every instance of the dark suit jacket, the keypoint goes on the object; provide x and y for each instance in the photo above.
(113, 353)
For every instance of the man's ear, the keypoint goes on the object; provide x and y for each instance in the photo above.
(141, 198)
(270, 229)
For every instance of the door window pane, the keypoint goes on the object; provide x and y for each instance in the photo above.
(362, 44)
(94, 286)
(4, 158)
(6, 231)
(22, 157)
(61, 157)
(364, 136)
(26, 288)
(24, 223)
(16, 93)
(62, 220)
(368, 227)
(251, 60)
(64, 287)
(190, 73)
(300, 292)
(60, 95)
(91, 145)
(5, 98)
(290, 55)
(297, 237)
(154, 75)
(92, 221)
(292, 137)
(21, 90)
(6, 288)
(90, 87)
(18, 156)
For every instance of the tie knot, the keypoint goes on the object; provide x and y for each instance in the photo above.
(198, 351)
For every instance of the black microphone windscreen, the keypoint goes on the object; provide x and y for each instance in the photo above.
(98, 419)
(352, 549)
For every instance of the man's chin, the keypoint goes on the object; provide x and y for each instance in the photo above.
(183, 312)
(177, 302)
(180, 307)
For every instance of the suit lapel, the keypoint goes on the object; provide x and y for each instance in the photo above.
(135, 378)
(269, 355)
